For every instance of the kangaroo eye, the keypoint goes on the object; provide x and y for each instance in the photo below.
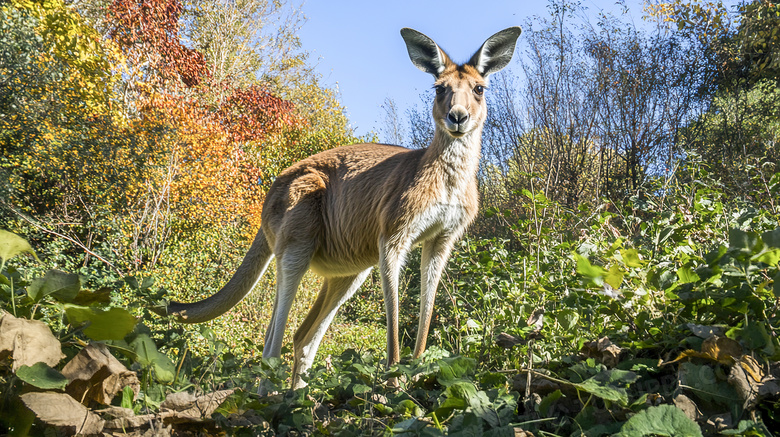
(439, 89)
(479, 90)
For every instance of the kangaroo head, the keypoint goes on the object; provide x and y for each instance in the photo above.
(459, 106)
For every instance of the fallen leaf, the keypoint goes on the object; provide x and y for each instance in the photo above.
(61, 410)
(719, 422)
(27, 342)
(687, 406)
(507, 341)
(705, 331)
(185, 407)
(603, 350)
(721, 349)
(536, 320)
(746, 376)
(751, 366)
(95, 374)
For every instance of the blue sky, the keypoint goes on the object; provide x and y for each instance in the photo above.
(357, 47)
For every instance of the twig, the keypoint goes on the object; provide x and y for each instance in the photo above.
(75, 242)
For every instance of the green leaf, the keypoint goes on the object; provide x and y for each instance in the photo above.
(609, 385)
(12, 245)
(42, 376)
(113, 324)
(547, 402)
(743, 240)
(147, 355)
(567, 318)
(687, 275)
(772, 238)
(614, 277)
(705, 384)
(585, 268)
(663, 420)
(776, 285)
(127, 397)
(631, 258)
(453, 369)
(61, 285)
(771, 256)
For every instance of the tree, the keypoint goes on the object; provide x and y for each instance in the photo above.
(737, 134)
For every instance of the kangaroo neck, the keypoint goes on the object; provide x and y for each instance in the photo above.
(454, 157)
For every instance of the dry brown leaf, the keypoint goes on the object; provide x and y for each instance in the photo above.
(721, 349)
(687, 406)
(603, 350)
(507, 341)
(536, 319)
(751, 366)
(132, 421)
(689, 353)
(61, 410)
(746, 388)
(705, 331)
(95, 374)
(185, 407)
(27, 342)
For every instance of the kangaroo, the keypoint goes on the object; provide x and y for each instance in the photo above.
(343, 211)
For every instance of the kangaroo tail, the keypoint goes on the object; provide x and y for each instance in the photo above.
(249, 272)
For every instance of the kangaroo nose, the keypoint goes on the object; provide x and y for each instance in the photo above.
(458, 115)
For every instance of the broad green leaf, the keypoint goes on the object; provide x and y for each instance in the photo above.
(464, 394)
(42, 376)
(631, 258)
(452, 369)
(544, 406)
(743, 240)
(771, 257)
(772, 238)
(61, 285)
(614, 277)
(567, 318)
(609, 385)
(687, 275)
(112, 324)
(585, 268)
(147, 355)
(12, 245)
(702, 381)
(662, 420)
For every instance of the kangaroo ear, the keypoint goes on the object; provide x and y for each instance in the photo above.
(424, 53)
(496, 52)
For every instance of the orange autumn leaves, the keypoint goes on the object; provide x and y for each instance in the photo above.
(208, 126)
(215, 181)
(116, 134)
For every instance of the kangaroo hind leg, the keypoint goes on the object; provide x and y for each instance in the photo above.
(290, 268)
(335, 291)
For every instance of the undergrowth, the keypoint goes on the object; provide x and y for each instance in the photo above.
(658, 316)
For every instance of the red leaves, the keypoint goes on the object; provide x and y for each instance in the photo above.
(148, 31)
(249, 114)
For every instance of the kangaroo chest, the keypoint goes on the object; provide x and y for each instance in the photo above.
(449, 211)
